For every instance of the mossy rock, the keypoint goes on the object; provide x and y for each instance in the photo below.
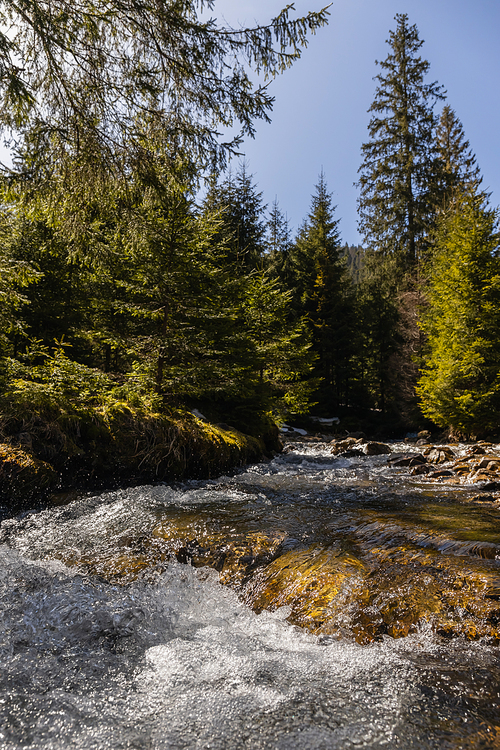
(23, 477)
(120, 445)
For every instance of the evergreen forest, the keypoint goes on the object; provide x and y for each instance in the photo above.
(142, 273)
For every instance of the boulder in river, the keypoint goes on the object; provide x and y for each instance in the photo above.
(352, 453)
(401, 460)
(376, 449)
(340, 446)
(476, 450)
(420, 469)
(439, 454)
(424, 435)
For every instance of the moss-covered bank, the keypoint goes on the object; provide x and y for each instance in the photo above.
(40, 455)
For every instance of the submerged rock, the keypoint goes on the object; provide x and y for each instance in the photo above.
(359, 570)
(483, 498)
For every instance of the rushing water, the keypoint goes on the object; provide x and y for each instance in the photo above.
(108, 641)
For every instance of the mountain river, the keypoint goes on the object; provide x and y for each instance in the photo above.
(315, 601)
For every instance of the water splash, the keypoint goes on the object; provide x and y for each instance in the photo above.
(170, 658)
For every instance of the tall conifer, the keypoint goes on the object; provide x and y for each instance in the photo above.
(460, 382)
(458, 164)
(327, 296)
(239, 205)
(397, 176)
(398, 193)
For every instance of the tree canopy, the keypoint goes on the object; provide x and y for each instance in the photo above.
(89, 75)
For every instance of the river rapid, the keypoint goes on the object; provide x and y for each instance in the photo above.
(314, 601)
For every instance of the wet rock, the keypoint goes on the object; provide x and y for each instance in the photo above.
(493, 593)
(420, 469)
(484, 550)
(376, 449)
(489, 463)
(352, 453)
(424, 435)
(402, 460)
(441, 474)
(309, 581)
(343, 445)
(483, 498)
(439, 455)
(461, 468)
(476, 450)
(487, 477)
(491, 487)
(233, 556)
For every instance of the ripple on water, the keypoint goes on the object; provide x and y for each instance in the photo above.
(127, 648)
(183, 664)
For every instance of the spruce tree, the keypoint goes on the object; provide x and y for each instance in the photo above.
(319, 236)
(399, 182)
(460, 382)
(326, 296)
(398, 174)
(379, 318)
(279, 248)
(458, 166)
(91, 72)
(241, 212)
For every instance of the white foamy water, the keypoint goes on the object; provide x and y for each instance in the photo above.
(181, 664)
(176, 661)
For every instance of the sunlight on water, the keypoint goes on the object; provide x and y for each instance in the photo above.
(107, 641)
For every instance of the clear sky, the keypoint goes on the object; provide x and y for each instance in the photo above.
(320, 115)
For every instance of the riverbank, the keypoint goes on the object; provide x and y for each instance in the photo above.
(40, 456)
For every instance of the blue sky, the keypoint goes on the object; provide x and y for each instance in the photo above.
(320, 115)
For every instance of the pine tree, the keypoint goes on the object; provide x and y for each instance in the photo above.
(460, 381)
(459, 169)
(398, 175)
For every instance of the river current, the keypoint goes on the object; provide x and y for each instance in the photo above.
(314, 601)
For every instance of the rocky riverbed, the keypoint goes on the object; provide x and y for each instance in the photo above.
(326, 598)
(476, 465)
